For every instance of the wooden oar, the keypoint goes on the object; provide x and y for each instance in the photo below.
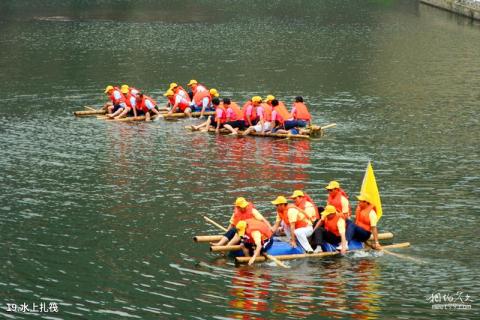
(398, 255)
(277, 262)
(90, 108)
(214, 223)
(331, 125)
(314, 255)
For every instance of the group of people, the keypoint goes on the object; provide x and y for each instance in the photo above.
(129, 101)
(303, 223)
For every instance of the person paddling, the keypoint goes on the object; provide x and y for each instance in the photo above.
(254, 236)
(338, 198)
(297, 225)
(365, 222)
(178, 102)
(117, 100)
(145, 106)
(334, 228)
(243, 210)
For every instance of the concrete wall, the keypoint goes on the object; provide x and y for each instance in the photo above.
(468, 8)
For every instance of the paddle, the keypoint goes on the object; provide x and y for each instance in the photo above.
(331, 125)
(90, 108)
(398, 255)
(278, 262)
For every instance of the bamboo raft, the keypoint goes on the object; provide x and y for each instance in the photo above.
(312, 130)
(241, 260)
(163, 115)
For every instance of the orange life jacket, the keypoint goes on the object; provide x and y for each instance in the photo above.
(302, 220)
(331, 224)
(256, 225)
(179, 90)
(128, 98)
(267, 112)
(336, 201)
(199, 86)
(301, 112)
(282, 113)
(236, 110)
(253, 116)
(239, 215)
(198, 97)
(223, 119)
(306, 198)
(142, 104)
(362, 217)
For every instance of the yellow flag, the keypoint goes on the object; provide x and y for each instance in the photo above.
(369, 186)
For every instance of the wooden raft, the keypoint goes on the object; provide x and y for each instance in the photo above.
(163, 115)
(257, 134)
(316, 255)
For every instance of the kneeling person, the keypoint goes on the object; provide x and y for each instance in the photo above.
(365, 222)
(255, 236)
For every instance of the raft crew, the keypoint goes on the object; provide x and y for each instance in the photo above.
(254, 236)
(177, 101)
(339, 199)
(117, 100)
(249, 110)
(243, 210)
(365, 222)
(297, 225)
(145, 106)
(221, 119)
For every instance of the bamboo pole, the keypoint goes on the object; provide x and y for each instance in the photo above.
(214, 223)
(90, 108)
(331, 125)
(207, 238)
(89, 112)
(258, 134)
(314, 255)
(225, 248)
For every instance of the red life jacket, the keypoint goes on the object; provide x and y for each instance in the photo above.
(199, 86)
(112, 97)
(198, 98)
(239, 215)
(238, 114)
(184, 102)
(142, 104)
(256, 225)
(302, 112)
(223, 119)
(282, 112)
(253, 116)
(362, 217)
(331, 224)
(179, 90)
(302, 220)
(337, 201)
(128, 98)
(133, 91)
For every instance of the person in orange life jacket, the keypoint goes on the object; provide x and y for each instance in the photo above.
(300, 112)
(178, 102)
(178, 90)
(254, 236)
(125, 105)
(334, 228)
(195, 88)
(243, 210)
(201, 101)
(306, 205)
(365, 222)
(249, 110)
(218, 121)
(117, 100)
(145, 106)
(264, 115)
(234, 121)
(282, 121)
(297, 226)
(338, 198)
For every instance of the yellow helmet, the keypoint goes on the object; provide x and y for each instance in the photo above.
(256, 99)
(241, 202)
(214, 93)
(192, 82)
(364, 197)
(297, 193)
(329, 209)
(168, 93)
(173, 85)
(241, 227)
(280, 200)
(333, 185)
(125, 88)
(269, 98)
(108, 88)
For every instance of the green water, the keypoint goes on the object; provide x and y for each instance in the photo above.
(98, 217)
